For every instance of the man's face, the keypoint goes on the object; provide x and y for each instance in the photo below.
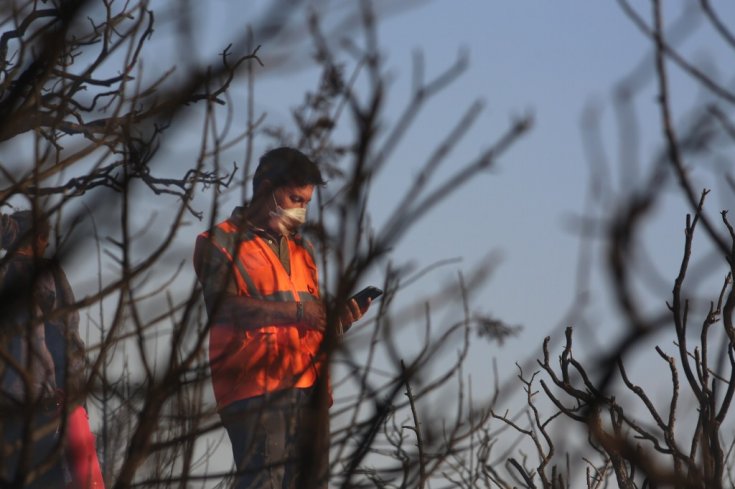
(293, 201)
(293, 197)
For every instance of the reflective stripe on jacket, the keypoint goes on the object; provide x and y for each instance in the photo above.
(248, 363)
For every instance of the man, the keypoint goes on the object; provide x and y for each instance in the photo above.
(261, 290)
(32, 291)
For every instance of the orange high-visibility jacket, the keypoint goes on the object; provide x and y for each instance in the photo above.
(248, 363)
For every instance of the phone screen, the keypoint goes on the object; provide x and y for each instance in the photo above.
(368, 292)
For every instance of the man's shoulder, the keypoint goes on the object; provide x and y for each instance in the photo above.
(236, 223)
(226, 235)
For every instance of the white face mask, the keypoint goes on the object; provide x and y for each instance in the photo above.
(288, 220)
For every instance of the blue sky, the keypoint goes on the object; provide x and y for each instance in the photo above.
(553, 60)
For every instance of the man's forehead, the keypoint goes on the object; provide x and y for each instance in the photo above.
(301, 190)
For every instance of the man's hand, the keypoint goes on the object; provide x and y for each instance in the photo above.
(315, 315)
(352, 313)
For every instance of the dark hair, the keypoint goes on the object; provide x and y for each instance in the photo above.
(284, 167)
(20, 229)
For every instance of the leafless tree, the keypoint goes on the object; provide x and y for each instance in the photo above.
(682, 334)
(88, 108)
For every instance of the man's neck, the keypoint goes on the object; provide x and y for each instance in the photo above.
(259, 221)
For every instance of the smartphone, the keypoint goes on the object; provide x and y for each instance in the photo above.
(368, 292)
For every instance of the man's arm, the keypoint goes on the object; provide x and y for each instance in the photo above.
(249, 313)
(254, 313)
(224, 305)
(41, 362)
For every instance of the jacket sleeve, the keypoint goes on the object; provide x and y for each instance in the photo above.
(214, 272)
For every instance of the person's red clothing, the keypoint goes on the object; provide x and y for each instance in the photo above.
(80, 452)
